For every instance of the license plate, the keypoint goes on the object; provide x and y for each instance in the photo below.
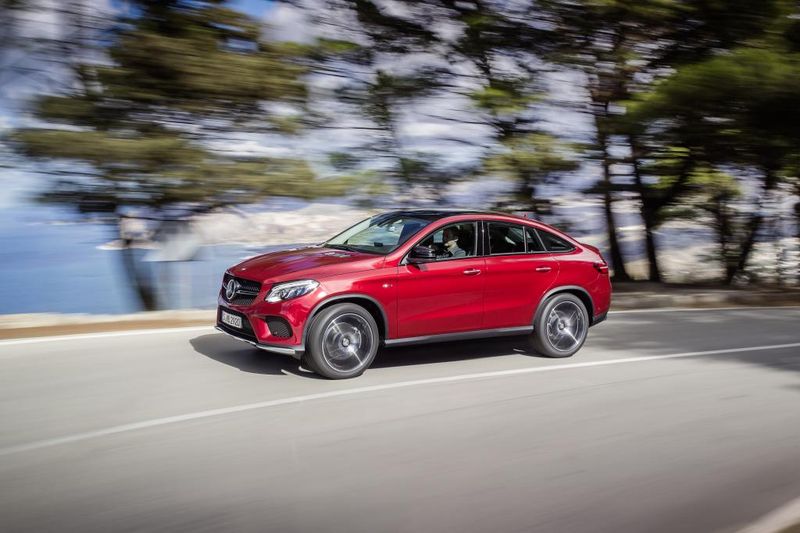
(231, 320)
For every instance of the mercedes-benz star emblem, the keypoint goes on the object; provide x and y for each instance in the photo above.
(231, 288)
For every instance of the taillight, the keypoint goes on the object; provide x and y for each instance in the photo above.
(601, 267)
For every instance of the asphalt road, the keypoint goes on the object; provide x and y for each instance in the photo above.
(664, 422)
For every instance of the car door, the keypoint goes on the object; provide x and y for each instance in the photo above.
(518, 273)
(444, 295)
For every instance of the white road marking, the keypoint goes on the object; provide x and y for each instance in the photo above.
(780, 519)
(127, 333)
(102, 335)
(688, 309)
(156, 422)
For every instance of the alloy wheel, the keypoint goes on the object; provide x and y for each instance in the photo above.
(347, 342)
(566, 326)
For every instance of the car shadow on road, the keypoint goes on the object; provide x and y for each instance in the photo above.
(453, 351)
(730, 331)
(247, 358)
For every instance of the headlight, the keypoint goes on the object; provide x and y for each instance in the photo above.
(291, 289)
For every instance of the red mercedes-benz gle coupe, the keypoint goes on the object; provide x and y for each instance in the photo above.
(417, 276)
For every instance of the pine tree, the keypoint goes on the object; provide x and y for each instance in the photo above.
(138, 131)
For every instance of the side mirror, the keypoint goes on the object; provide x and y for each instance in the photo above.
(421, 254)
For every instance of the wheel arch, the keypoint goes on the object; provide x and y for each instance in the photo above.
(369, 303)
(576, 290)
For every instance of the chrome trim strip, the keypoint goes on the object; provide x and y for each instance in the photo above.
(461, 335)
(294, 352)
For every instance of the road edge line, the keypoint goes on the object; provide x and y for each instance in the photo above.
(102, 335)
(777, 520)
(687, 309)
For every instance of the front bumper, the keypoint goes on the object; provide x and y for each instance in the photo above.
(599, 318)
(294, 351)
(254, 331)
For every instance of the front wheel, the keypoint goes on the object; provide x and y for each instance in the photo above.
(560, 328)
(342, 341)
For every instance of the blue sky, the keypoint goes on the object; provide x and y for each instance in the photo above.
(255, 8)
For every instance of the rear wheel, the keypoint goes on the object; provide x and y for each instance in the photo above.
(560, 328)
(342, 341)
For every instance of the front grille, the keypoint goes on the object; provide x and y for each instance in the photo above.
(245, 294)
(241, 300)
(245, 333)
(278, 327)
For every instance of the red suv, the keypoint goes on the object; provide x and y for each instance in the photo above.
(417, 276)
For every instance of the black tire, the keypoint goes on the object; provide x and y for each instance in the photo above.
(342, 341)
(307, 363)
(561, 326)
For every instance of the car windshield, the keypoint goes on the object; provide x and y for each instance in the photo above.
(380, 234)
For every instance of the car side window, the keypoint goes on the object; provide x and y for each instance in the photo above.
(506, 238)
(534, 244)
(554, 243)
(453, 241)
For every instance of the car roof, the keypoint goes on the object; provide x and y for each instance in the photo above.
(433, 214)
(437, 213)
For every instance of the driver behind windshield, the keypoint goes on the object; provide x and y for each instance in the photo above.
(450, 239)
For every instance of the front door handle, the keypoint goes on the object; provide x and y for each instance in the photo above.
(472, 272)
(543, 269)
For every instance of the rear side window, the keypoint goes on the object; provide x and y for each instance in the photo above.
(554, 243)
(506, 238)
(534, 244)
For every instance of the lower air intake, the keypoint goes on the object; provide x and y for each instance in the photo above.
(278, 327)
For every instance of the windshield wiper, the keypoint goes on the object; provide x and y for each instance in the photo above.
(351, 248)
(340, 247)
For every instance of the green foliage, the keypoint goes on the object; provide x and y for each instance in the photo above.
(743, 107)
(676, 91)
(504, 98)
(178, 75)
(381, 99)
(530, 161)
(738, 110)
(712, 195)
(625, 47)
(380, 95)
(533, 154)
(708, 191)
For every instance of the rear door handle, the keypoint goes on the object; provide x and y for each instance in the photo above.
(543, 269)
(472, 272)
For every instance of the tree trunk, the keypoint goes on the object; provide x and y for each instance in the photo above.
(724, 236)
(797, 231)
(617, 261)
(140, 283)
(529, 192)
(648, 214)
(746, 247)
(402, 164)
(752, 229)
(654, 270)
